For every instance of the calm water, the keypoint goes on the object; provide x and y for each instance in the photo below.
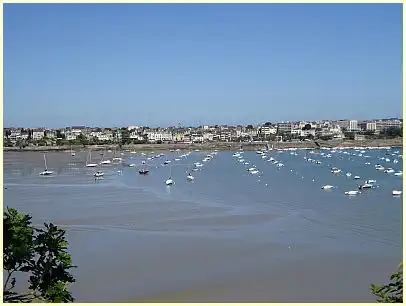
(229, 236)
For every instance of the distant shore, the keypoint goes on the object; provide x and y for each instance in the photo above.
(220, 146)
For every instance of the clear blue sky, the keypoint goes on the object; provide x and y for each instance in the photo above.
(164, 64)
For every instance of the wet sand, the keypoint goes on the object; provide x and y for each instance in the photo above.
(221, 146)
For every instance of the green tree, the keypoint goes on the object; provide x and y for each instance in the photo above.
(392, 132)
(349, 135)
(40, 252)
(125, 136)
(7, 142)
(59, 134)
(42, 142)
(20, 143)
(307, 127)
(81, 139)
(392, 292)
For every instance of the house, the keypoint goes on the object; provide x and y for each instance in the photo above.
(156, 135)
(70, 136)
(266, 131)
(359, 137)
(307, 133)
(134, 135)
(178, 136)
(50, 133)
(197, 138)
(14, 135)
(284, 127)
(38, 134)
(208, 136)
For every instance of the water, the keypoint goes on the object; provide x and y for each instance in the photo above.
(229, 236)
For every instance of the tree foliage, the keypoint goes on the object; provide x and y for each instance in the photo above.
(392, 132)
(40, 252)
(392, 292)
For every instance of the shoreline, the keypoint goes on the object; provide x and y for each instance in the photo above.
(220, 146)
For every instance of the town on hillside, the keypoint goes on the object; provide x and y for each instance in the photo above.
(282, 132)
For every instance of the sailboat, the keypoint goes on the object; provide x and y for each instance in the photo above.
(98, 174)
(170, 181)
(46, 171)
(117, 160)
(105, 162)
(72, 153)
(144, 170)
(89, 162)
(190, 177)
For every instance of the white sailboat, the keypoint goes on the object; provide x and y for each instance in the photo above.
(72, 153)
(144, 169)
(189, 177)
(105, 162)
(98, 174)
(89, 161)
(170, 181)
(117, 160)
(46, 171)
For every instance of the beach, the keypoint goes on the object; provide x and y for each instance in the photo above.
(220, 146)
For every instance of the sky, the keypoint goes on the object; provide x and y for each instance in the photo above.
(157, 65)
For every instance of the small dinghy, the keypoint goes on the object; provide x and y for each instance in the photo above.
(190, 177)
(357, 177)
(365, 186)
(143, 171)
(46, 172)
(327, 187)
(352, 192)
(98, 174)
(396, 192)
(169, 182)
(370, 181)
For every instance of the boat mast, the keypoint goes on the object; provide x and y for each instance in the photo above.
(45, 162)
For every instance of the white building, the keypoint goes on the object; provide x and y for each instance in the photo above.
(268, 130)
(305, 133)
(371, 126)
(353, 125)
(207, 136)
(136, 136)
(159, 136)
(76, 132)
(70, 137)
(37, 135)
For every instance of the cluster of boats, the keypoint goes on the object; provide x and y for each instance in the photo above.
(368, 184)
(143, 168)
